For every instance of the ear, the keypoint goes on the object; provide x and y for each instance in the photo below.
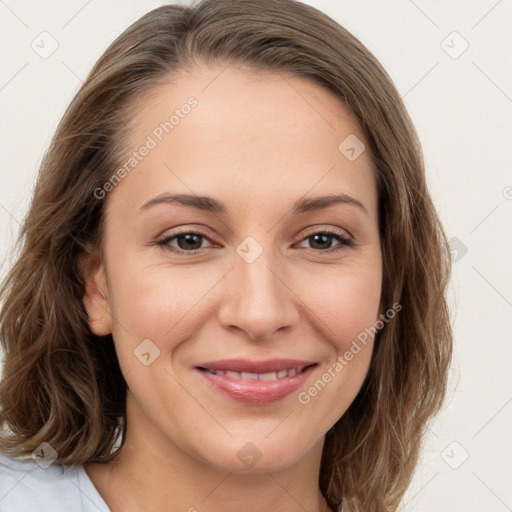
(96, 294)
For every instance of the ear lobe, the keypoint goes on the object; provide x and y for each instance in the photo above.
(95, 297)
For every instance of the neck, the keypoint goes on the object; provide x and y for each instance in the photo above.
(151, 473)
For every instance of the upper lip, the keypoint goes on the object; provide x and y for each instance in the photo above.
(250, 366)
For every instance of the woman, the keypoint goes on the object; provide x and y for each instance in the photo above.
(231, 286)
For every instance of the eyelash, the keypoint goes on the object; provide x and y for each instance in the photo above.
(344, 241)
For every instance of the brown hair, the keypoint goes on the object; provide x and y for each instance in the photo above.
(62, 384)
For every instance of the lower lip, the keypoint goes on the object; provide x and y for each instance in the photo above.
(256, 392)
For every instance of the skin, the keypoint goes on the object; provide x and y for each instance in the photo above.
(256, 142)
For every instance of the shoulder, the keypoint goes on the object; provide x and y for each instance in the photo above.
(27, 486)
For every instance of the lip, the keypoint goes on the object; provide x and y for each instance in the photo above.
(256, 392)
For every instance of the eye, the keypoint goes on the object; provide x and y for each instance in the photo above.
(191, 242)
(186, 241)
(321, 241)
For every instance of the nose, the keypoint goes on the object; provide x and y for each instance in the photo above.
(257, 298)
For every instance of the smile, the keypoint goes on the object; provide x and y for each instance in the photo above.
(281, 374)
(256, 382)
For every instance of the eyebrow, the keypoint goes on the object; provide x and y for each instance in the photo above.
(212, 205)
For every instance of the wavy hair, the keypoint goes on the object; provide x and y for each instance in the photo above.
(63, 385)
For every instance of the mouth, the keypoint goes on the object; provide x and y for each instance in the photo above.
(256, 382)
(281, 374)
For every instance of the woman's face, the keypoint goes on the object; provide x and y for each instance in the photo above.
(243, 271)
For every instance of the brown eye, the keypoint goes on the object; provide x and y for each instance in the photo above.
(187, 241)
(322, 241)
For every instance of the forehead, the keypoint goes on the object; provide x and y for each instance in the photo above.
(263, 134)
(255, 103)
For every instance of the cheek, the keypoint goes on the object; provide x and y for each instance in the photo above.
(347, 308)
(159, 302)
(347, 302)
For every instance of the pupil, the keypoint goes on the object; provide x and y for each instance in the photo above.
(189, 240)
(325, 239)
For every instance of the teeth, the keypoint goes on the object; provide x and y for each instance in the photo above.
(255, 376)
(268, 376)
(249, 376)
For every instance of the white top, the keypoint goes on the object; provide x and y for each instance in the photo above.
(26, 486)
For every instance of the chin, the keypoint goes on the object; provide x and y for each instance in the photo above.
(258, 455)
